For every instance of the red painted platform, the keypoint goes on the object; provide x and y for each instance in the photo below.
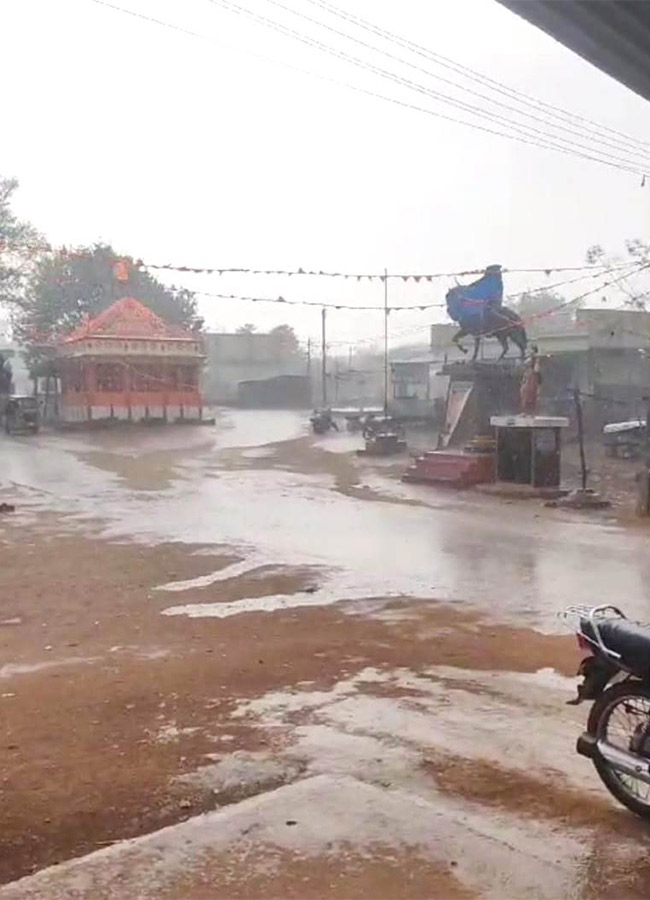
(451, 467)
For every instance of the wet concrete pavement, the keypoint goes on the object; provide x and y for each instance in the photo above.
(394, 779)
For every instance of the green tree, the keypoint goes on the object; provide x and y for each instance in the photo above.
(18, 243)
(248, 328)
(68, 285)
(287, 340)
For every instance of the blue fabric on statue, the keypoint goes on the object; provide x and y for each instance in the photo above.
(467, 302)
(488, 288)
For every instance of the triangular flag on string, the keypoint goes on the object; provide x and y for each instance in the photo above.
(429, 278)
(417, 278)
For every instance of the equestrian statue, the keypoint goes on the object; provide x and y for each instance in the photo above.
(478, 309)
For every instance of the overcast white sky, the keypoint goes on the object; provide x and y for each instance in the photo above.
(192, 150)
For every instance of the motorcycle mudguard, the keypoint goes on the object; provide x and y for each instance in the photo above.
(596, 672)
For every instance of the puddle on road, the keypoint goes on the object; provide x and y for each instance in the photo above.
(523, 567)
(258, 453)
(257, 427)
(339, 443)
(11, 670)
(496, 556)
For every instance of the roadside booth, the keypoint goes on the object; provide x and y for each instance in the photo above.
(528, 449)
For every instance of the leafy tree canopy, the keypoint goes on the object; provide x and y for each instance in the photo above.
(17, 243)
(637, 254)
(68, 285)
(287, 340)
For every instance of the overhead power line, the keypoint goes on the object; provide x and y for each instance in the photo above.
(549, 141)
(638, 156)
(395, 101)
(477, 77)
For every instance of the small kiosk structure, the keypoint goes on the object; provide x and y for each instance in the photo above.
(528, 449)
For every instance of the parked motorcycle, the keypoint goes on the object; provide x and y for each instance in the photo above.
(616, 676)
(322, 421)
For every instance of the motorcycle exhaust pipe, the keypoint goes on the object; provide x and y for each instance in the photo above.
(622, 760)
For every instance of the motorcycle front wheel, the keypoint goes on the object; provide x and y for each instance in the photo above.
(621, 716)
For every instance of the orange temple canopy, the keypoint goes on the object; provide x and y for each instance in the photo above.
(127, 363)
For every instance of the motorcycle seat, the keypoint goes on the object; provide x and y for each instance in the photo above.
(629, 639)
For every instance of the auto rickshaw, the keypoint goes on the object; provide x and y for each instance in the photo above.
(21, 415)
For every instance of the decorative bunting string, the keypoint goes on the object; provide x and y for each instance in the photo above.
(319, 304)
(422, 307)
(369, 276)
(45, 247)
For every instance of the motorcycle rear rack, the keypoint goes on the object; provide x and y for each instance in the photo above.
(592, 614)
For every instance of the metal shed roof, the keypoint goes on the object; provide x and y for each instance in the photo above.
(613, 35)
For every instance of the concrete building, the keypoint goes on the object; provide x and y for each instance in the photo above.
(232, 359)
(418, 387)
(605, 354)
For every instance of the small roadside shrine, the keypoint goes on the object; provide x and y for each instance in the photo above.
(528, 449)
(126, 363)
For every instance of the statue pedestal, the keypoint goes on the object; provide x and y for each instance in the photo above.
(477, 391)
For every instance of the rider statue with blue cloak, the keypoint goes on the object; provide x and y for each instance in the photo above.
(478, 309)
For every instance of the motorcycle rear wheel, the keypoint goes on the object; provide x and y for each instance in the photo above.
(616, 717)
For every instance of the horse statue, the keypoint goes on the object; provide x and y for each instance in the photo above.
(478, 309)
